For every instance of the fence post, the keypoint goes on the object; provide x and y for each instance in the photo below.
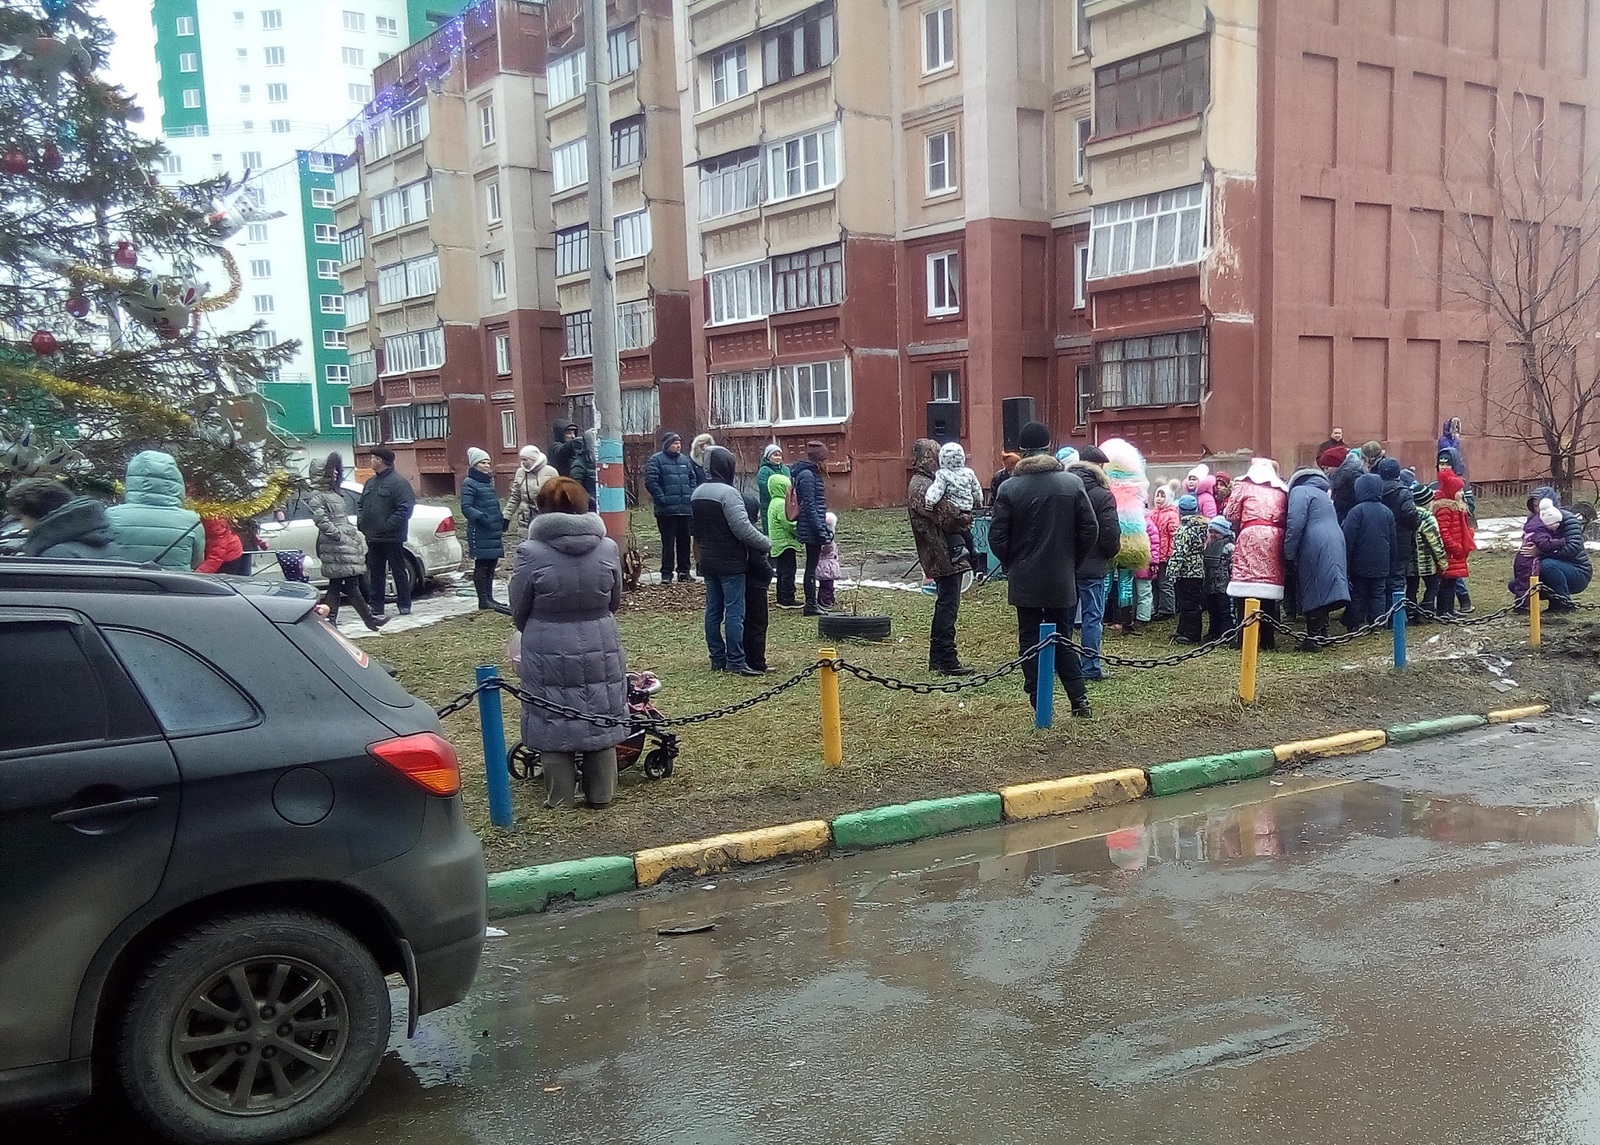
(1044, 692)
(832, 721)
(1534, 603)
(492, 725)
(1248, 647)
(1399, 598)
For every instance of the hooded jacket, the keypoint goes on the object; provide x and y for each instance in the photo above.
(1095, 558)
(1045, 532)
(1342, 483)
(562, 450)
(526, 482)
(721, 525)
(1397, 496)
(1315, 542)
(812, 493)
(670, 481)
(1371, 539)
(780, 530)
(151, 523)
(486, 524)
(79, 530)
(222, 544)
(384, 512)
(1570, 532)
(1455, 525)
(1450, 442)
(931, 526)
(340, 549)
(763, 489)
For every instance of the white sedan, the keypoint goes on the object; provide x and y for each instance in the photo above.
(431, 545)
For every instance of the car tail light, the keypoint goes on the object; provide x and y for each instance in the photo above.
(448, 525)
(426, 759)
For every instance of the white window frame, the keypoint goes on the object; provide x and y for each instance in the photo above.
(280, 126)
(263, 304)
(572, 251)
(188, 61)
(486, 124)
(636, 324)
(728, 186)
(631, 236)
(741, 398)
(410, 126)
(729, 84)
(412, 278)
(1117, 230)
(271, 19)
(508, 428)
(261, 268)
(352, 57)
(320, 162)
(564, 78)
(1080, 276)
(359, 93)
(354, 21)
(277, 93)
(185, 25)
(625, 62)
(740, 293)
(331, 303)
(502, 357)
(569, 165)
(250, 160)
(938, 39)
(415, 350)
(256, 233)
(944, 283)
(336, 374)
(386, 25)
(191, 97)
(948, 392)
(815, 150)
(322, 197)
(491, 202)
(341, 417)
(274, 57)
(328, 268)
(244, 93)
(357, 307)
(334, 340)
(939, 156)
(497, 278)
(1080, 28)
(325, 233)
(796, 387)
(1082, 132)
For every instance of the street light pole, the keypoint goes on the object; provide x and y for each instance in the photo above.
(602, 297)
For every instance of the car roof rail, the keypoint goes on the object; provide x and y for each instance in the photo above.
(53, 574)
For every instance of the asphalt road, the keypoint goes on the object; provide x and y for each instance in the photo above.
(1413, 957)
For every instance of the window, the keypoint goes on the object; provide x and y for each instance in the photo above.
(256, 233)
(260, 268)
(577, 328)
(263, 303)
(631, 235)
(410, 125)
(325, 232)
(502, 359)
(341, 417)
(274, 57)
(497, 278)
(572, 251)
(1080, 30)
(244, 93)
(355, 21)
(188, 61)
(1157, 87)
(49, 655)
(508, 429)
(1148, 232)
(322, 197)
(433, 421)
(271, 20)
(947, 385)
(938, 39)
(423, 350)
(377, 140)
(320, 161)
(402, 424)
(337, 375)
(1165, 369)
(730, 78)
(565, 78)
(367, 430)
(627, 142)
(636, 324)
(247, 125)
(622, 46)
(414, 278)
(277, 93)
(352, 244)
(353, 57)
(743, 398)
(816, 391)
(278, 126)
(730, 183)
(810, 278)
(1083, 379)
(334, 339)
(185, 25)
(486, 134)
(187, 695)
(941, 151)
(740, 293)
(802, 45)
(242, 55)
(386, 25)
(409, 204)
(944, 283)
(346, 183)
(1083, 130)
(357, 309)
(569, 164)
(191, 97)
(801, 165)
(363, 367)
(171, 164)
(641, 411)
(358, 92)
(385, 57)
(491, 202)
(331, 303)
(265, 339)
(1080, 276)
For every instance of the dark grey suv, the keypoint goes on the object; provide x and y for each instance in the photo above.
(220, 828)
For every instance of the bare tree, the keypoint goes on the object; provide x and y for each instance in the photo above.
(1523, 246)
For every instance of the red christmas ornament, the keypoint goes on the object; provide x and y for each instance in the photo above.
(127, 255)
(14, 162)
(52, 158)
(78, 306)
(43, 342)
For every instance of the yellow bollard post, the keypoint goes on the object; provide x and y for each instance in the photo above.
(832, 721)
(1247, 655)
(1534, 606)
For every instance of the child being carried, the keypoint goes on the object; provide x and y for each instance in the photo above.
(958, 485)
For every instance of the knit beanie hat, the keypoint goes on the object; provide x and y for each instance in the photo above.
(1422, 495)
(1067, 454)
(475, 455)
(669, 437)
(1388, 469)
(774, 447)
(1549, 514)
(1221, 525)
(1034, 436)
(1188, 503)
(384, 454)
(1333, 456)
(1450, 486)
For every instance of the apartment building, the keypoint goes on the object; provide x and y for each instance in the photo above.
(454, 340)
(649, 264)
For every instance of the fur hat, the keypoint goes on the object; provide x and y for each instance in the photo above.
(1034, 436)
(475, 455)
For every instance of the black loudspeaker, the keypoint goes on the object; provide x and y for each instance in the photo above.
(944, 421)
(1014, 414)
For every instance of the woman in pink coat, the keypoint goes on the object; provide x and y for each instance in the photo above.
(1258, 510)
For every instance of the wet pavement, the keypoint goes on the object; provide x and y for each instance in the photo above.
(1313, 957)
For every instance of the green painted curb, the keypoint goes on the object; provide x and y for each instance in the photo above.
(1207, 770)
(1427, 729)
(529, 890)
(902, 822)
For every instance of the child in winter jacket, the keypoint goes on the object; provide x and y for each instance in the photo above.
(1187, 569)
(1371, 543)
(1167, 519)
(1426, 559)
(828, 564)
(1218, 574)
(1541, 536)
(1455, 529)
(958, 485)
(1144, 581)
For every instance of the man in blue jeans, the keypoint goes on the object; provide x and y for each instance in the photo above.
(1092, 566)
(728, 544)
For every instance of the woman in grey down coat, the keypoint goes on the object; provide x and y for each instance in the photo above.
(340, 549)
(565, 592)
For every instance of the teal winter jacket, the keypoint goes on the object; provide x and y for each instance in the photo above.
(151, 523)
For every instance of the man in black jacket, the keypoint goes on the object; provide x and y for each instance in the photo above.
(728, 545)
(1397, 496)
(1095, 561)
(384, 518)
(1042, 530)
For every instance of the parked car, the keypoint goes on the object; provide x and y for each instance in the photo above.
(224, 826)
(431, 546)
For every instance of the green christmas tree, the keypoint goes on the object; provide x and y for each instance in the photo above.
(108, 282)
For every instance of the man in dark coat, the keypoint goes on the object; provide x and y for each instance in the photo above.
(384, 518)
(932, 530)
(670, 481)
(1397, 496)
(811, 527)
(1095, 561)
(60, 525)
(563, 444)
(1042, 530)
(1342, 481)
(728, 543)
(1370, 542)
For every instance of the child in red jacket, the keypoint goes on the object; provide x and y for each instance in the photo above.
(1455, 529)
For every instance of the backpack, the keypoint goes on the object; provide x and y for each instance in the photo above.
(791, 504)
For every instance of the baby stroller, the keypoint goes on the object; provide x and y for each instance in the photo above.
(657, 749)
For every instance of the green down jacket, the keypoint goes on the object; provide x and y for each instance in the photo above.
(151, 523)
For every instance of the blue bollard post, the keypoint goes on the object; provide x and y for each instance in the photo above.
(1399, 630)
(1045, 693)
(493, 727)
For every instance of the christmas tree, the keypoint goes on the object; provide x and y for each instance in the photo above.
(107, 281)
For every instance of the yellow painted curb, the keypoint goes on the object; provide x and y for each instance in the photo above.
(1506, 715)
(720, 852)
(1345, 743)
(1075, 793)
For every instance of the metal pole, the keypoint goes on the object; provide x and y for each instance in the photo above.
(1248, 649)
(1044, 692)
(602, 297)
(493, 728)
(832, 720)
(1534, 604)
(1399, 599)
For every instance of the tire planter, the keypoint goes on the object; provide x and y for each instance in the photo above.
(841, 627)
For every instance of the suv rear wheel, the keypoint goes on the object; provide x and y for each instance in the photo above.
(254, 1028)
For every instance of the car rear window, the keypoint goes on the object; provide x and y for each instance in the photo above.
(346, 660)
(188, 695)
